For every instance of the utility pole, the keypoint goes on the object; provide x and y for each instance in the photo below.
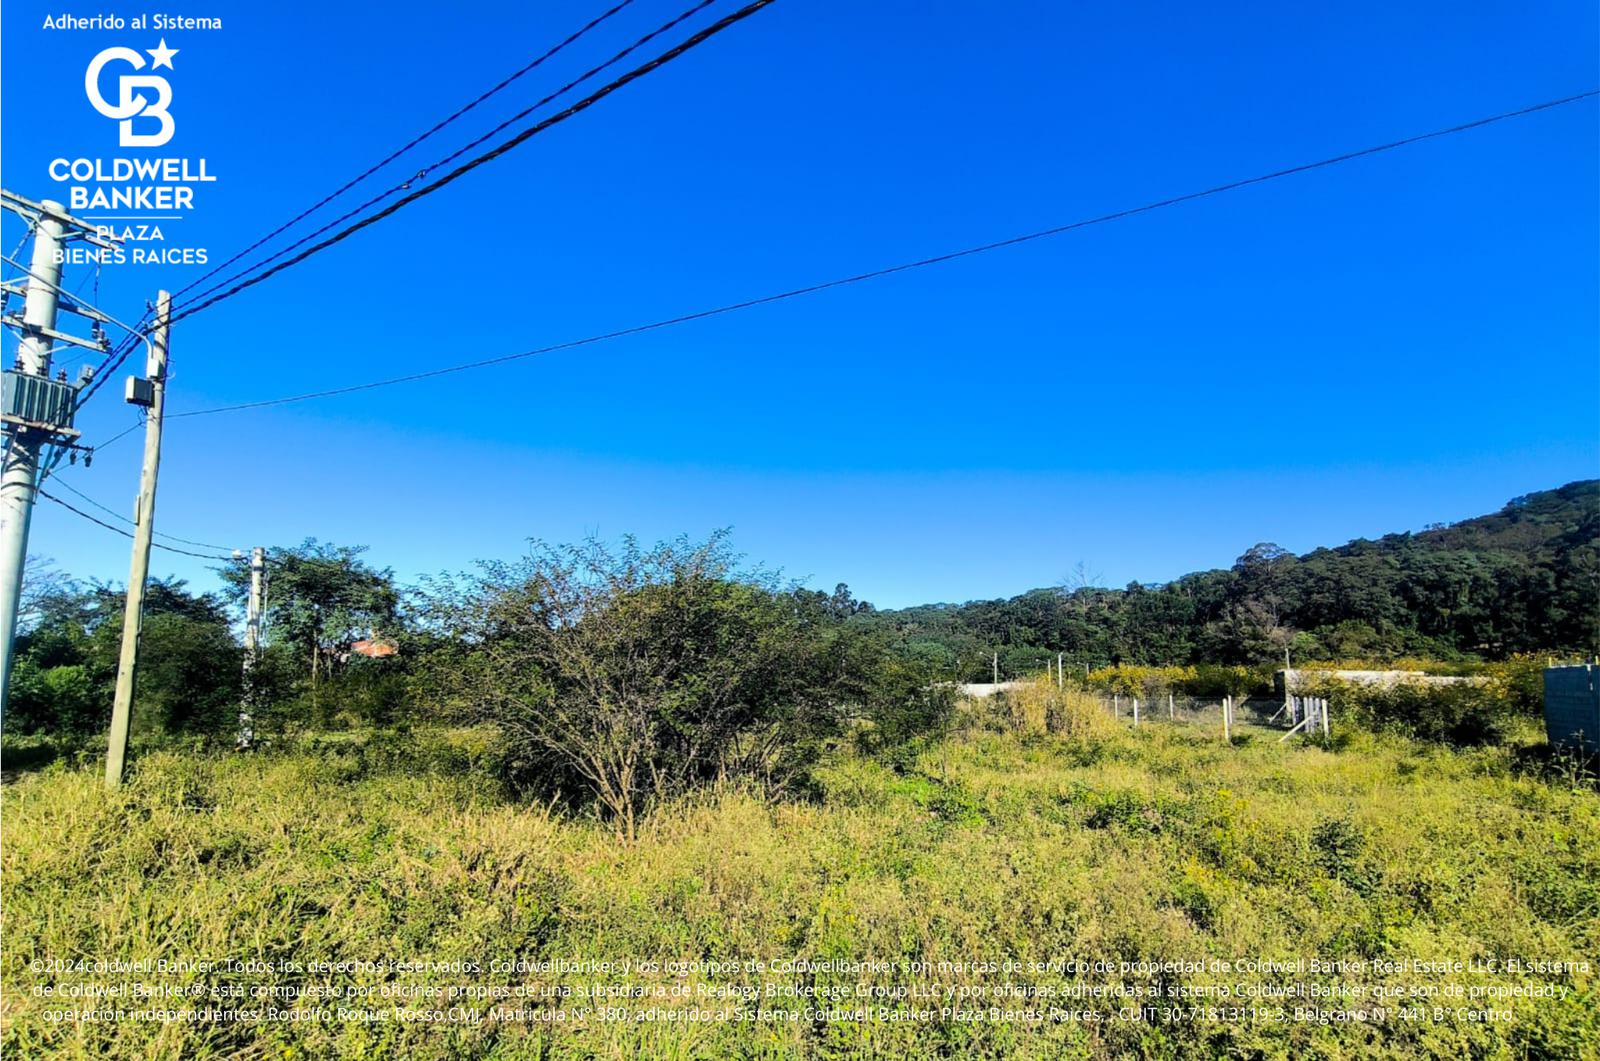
(35, 411)
(252, 646)
(997, 668)
(1286, 675)
(139, 569)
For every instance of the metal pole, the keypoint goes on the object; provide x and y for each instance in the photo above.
(1227, 719)
(19, 480)
(139, 568)
(1061, 675)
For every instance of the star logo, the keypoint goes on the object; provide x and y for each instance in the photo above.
(162, 55)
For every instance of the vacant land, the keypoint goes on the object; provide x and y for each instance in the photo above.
(1158, 846)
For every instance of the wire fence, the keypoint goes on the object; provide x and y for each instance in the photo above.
(1262, 712)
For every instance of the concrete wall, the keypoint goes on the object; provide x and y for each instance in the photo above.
(987, 688)
(1572, 705)
(1306, 680)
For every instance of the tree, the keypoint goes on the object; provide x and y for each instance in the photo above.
(46, 589)
(635, 674)
(67, 662)
(321, 598)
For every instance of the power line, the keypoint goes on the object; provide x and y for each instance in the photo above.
(125, 534)
(128, 344)
(72, 299)
(325, 200)
(120, 434)
(113, 360)
(113, 513)
(904, 267)
(404, 185)
(584, 104)
(118, 355)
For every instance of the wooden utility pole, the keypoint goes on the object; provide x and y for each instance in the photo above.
(139, 569)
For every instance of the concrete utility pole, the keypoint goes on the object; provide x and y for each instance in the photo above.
(252, 646)
(997, 668)
(139, 569)
(36, 411)
(20, 479)
(1286, 675)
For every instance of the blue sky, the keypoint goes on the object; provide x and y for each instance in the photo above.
(1400, 340)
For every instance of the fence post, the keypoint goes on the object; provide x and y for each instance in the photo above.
(1116, 705)
(1324, 719)
(1172, 714)
(1136, 712)
(1227, 719)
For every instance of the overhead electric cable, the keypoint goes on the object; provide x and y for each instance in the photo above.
(120, 434)
(117, 515)
(72, 299)
(889, 270)
(118, 530)
(588, 101)
(325, 200)
(114, 359)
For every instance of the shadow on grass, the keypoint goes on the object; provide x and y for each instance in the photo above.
(1568, 767)
(27, 755)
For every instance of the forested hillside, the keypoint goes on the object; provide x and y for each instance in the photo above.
(1524, 579)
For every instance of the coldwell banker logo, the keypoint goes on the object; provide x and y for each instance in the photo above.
(132, 102)
(138, 196)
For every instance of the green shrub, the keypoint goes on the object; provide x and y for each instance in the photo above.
(1480, 712)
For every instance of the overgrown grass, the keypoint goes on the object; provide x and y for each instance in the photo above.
(1159, 844)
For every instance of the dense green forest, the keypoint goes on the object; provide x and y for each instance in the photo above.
(1525, 579)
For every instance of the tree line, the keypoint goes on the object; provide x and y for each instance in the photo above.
(1523, 580)
(630, 674)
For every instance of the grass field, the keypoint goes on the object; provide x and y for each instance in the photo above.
(1160, 845)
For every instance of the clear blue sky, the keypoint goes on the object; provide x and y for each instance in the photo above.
(1399, 340)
